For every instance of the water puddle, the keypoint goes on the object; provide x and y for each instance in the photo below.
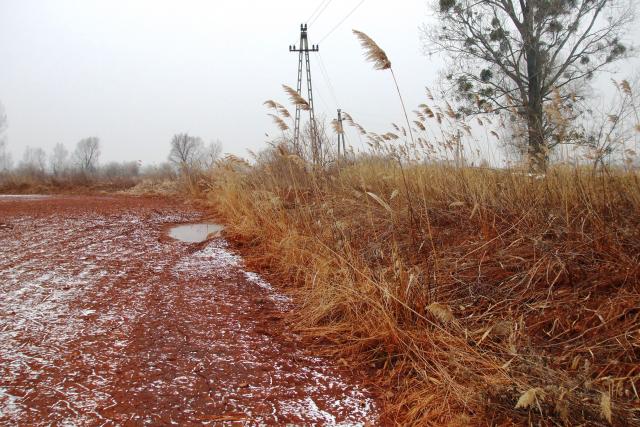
(195, 233)
(23, 196)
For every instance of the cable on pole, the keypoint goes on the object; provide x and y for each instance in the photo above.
(320, 13)
(316, 10)
(325, 76)
(341, 21)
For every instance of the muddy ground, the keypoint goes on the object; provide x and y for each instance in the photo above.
(104, 320)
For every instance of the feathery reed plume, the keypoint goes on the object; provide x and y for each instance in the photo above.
(441, 312)
(450, 111)
(270, 104)
(373, 52)
(528, 398)
(279, 108)
(279, 122)
(429, 94)
(605, 407)
(352, 123)
(378, 57)
(296, 99)
(429, 112)
(337, 127)
(282, 110)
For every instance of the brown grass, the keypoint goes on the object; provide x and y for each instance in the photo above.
(502, 299)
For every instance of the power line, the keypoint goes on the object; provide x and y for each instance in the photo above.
(320, 13)
(342, 21)
(322, 6)
(325, 75)
(316, 10)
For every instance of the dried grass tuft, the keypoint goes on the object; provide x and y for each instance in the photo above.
(296, 98)
(529, 397)
(373, 52)
(337, 127)
(279, 122)
(605, 407)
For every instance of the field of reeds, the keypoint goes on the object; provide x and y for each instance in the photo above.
(479, 296)
(476, 295)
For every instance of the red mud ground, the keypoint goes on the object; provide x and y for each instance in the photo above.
(106, 321)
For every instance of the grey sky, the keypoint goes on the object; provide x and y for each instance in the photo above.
(135, 72)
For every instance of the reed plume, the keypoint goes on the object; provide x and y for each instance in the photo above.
(376, 55)
(337, 127)
(279, 122)
(373, 52)
(282, 110)
(296, 99)
(269, 103)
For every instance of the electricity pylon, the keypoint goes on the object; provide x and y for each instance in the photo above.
(341, 135)
(304, 50)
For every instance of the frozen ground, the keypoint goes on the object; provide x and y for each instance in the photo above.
(104, 320)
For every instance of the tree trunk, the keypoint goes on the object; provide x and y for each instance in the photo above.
(537, 148)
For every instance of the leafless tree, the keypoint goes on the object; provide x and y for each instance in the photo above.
(87, 154)
(211, 153)
(120, 170)
(161, 172)
(59, 159)
(186, 152)
(34, 162)
(5, 156)
(614, 127)
(514, 56)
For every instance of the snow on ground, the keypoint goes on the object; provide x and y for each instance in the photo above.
(318, 376)
(104, 319)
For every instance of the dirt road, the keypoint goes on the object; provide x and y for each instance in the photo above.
(106, 321)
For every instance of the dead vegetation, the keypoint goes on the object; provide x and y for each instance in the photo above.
(478, 294)
(481, 296)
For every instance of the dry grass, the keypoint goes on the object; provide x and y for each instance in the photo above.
(481, 296)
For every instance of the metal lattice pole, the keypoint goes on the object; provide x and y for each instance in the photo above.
(303, 51)
(341, 135)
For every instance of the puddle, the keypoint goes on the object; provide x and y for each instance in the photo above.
(195, 233)
(23, 196)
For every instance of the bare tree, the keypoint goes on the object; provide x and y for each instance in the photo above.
(34, 162)
(59, 159)
(186, 152)
(120, 170)
(87, 154)
(211, 154)
(615, 127)
(512, 55)
(5, 156)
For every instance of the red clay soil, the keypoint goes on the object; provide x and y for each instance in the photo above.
(106, 321)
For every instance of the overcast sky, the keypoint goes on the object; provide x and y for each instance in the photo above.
(136, 72)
